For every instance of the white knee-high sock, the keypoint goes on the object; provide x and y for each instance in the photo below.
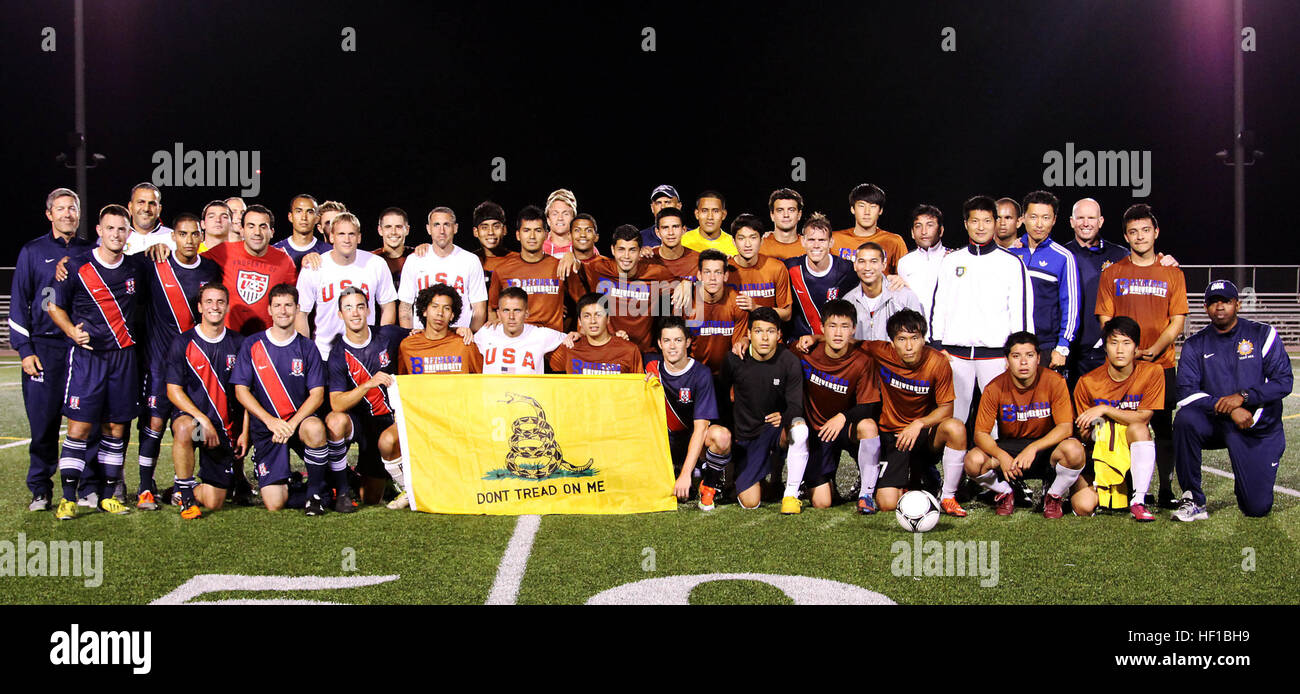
(953, 467)
(990, 481)
(394, 468)
(869, 465)
(1142, 455)
(1065, 478)
(796, 459)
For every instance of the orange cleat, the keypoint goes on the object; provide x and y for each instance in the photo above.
(952, 508)
(706, 497)
(191, 511)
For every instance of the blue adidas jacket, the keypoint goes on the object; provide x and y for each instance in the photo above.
(1057, 297)
(1249, 357)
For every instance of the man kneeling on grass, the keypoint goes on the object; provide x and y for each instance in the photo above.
(1031, 407)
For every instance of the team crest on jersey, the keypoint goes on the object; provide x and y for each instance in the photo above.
(130, 285)
(295, 369)
(1106, 265)
(832, 293)
(251, 285)
(683, 395)
(961, 270)
(74, 403)
(230, 361)
(383, 359)
(1245, 348)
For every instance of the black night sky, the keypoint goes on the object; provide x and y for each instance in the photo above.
(733, 92)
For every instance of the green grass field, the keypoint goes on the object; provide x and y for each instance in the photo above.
(455, 559)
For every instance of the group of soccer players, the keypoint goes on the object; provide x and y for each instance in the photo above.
(778, 350)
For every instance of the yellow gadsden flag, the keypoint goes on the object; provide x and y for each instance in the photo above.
(507, 445)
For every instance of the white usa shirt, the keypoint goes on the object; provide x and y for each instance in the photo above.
(461, 270)
(136, 242)
(320, 289)
(525, 354)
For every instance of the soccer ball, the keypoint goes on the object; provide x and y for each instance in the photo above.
(918, 511)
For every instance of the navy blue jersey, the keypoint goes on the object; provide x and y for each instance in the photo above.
(1249, 357)
(689, 395)
(318, 246)
(203, 368)
(811, 292)
(105, 300)
(280, 376)
(352, 365)
(1091, 261)
(33, 284)
(173, 292)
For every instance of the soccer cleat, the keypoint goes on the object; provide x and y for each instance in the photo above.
(790, 505)
(866, 505)
(177, 498)
(113, 506)
(146, 501)
(706, 497)
(1052, 506)
(1006, 503)
(1167, 500)
(314, 507)
(1140, 513)
(400, 502)
(67, 510)
(191, 511)
(952, 508)
(119, 492)
(39, 503)
(344, 504)
(90, 500)
(1188, 511)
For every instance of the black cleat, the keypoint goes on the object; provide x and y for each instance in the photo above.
(344, 504)
(314, 507)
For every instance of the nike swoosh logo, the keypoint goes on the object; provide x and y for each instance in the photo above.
(1207, 356)
(260, 367)
(50, 260)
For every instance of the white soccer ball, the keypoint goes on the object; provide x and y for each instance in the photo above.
(918, 511)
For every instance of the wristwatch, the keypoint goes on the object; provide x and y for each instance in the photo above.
(1245, 397)
(1063, 351)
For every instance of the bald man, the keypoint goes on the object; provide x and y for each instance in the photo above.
(1092, 254)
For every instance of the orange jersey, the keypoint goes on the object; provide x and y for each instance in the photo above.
(781, 251)
(418, 354)
(618, 356)
(909, 393)
(1025, 414)
(686, 267)
(1144, 389)
(845, 245)
(715, 328)
(489, 263)
(1150, 295)
(634, 301)
(767, 283)
(545, 290)
(832, 386)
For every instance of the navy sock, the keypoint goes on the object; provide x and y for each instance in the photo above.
(150, 447)
(337, 454)
(317, 470)
(72, 462)
(186, 488)
(112, 456)
(714, 464)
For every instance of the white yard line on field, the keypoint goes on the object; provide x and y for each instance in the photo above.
(24, 442)
(1224, 473)
(505, 588)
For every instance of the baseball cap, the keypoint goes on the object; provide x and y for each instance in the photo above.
(1222, 289)
(664, 190)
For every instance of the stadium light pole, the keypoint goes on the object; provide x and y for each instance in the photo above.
(1238, 145)
(79, 68)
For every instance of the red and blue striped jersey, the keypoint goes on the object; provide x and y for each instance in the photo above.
(173, 291)
(812, 291)
(203, 368)
(280, 376)
(351, 365)
(103, 299)
(689, 395)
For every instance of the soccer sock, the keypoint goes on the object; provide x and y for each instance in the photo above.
(394, 468)
(869, 465)
(1142, 455)
(338, 461)
(991, 482)
(186, 488)
(317, 467)
(796, 459)
(953, 467)
(72, 461)
(150, 446)
(714, 464)
(1065, 478)
(112, 456)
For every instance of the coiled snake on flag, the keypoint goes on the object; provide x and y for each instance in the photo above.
(534, 452)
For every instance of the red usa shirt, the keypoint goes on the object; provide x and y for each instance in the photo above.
(249, 279)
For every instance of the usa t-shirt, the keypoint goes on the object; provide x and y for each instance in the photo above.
(522, 354)
(461, 270)
(320, 289)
